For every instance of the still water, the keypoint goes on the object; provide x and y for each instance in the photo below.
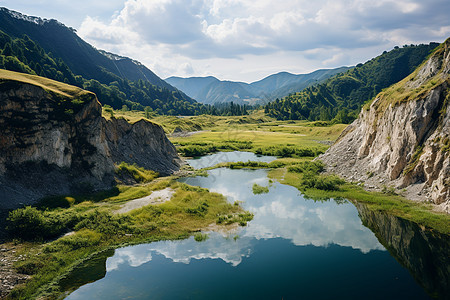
(294, 248)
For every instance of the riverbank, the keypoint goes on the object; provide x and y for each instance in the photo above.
(97, 227)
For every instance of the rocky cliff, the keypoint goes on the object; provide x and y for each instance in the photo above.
(401, 139)
(53, 140)
(143, 143)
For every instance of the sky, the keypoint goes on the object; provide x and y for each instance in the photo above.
(246, 40)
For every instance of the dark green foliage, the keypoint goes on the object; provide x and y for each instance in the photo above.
(193, 149)
(30, 223)
(248, 164)
(21, 54)
(288, 151)
(307, 166)
(258, 189)
(341, 97)
(104, 222)
(321, 182)
(201, 237)
(200, 210)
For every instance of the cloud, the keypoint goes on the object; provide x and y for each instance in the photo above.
(190, 32)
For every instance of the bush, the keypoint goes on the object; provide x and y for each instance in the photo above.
(103, 222)
(257, 189)
(321, 182)
(30, 223)
(200, 237)
(307, 166)
(288, 151)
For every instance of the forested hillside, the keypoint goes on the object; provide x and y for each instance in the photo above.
(341, 97)
(22, 53)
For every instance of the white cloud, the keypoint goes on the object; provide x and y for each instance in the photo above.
(169, 35)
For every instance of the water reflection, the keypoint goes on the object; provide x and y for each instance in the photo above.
(233, 156)
(291, 249)
(423, 252)
(283, 212)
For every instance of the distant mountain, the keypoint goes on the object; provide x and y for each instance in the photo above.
(82, 58)
(211, 90)
(342, 95)
(283, 83)
(50, 49)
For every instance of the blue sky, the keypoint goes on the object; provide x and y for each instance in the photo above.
(246, 40)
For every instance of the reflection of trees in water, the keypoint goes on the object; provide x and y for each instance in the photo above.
(423, 252)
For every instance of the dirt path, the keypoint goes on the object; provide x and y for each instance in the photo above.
(156, 197)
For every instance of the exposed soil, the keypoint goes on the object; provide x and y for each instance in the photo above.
(156, 197)
(9, 277)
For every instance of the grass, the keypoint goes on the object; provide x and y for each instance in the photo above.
(258, 189)
(96, 228)
(139, 174)
(201, 237)
(397, 205)
(56, 87)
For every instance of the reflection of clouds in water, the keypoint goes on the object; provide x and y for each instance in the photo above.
(321, 224)
(216, 247)
(280, 213)
(233, 156)
(133, 256)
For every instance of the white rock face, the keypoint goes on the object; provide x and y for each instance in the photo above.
(403, 143)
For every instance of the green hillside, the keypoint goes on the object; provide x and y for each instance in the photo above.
(341, 97)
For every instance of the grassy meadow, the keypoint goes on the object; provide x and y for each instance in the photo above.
(95, 227)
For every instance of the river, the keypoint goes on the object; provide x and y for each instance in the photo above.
(294, 248)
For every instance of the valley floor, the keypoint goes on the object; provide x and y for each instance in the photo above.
(113, 219)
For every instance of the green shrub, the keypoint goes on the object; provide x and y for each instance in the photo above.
(200, 210)
(321, 182)
(288, 151)
(200, 237)
(307, 166)
(104, 222)
(257, 189)
(30, 223)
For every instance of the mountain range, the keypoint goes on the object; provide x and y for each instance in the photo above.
(210, 90)
(81, 57)
(50, 49)
(340, 97)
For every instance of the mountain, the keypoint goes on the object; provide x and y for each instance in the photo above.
(192, 86)
(211, 90)
(50, 49)
(54, 141)
(82, 58)
(401, 139)
(283, 83)
(342, 95)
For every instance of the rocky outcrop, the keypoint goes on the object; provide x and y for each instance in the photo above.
(402, 139)
(53, 140)
(423, 252)
(143, 143)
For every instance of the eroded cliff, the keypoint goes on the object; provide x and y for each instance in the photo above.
(401, 139)
(53, 140)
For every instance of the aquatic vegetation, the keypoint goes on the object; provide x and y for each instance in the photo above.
(257, 189)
